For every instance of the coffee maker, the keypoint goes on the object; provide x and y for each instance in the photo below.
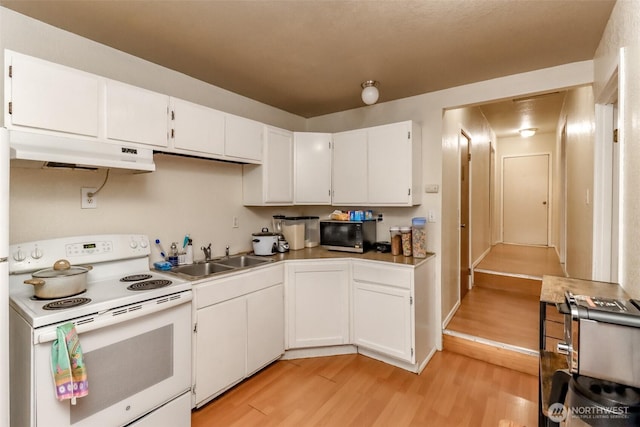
(278, 225)
(601, 386)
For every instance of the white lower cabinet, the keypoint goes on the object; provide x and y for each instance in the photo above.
(317, 304)
(239, 329)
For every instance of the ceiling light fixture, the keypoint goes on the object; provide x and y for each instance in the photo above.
(526, 133)
(370, 92)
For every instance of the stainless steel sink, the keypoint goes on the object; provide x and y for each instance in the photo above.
(241, 261)
(201, 269)
(220, 265)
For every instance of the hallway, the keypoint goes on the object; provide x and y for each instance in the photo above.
(499, 317)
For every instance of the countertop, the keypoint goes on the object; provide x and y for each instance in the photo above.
(554, 287)
(322, 253)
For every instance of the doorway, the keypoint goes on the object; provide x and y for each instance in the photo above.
(465, 225)
(525, 195)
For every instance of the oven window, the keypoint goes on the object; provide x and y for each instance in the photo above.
(125, 368)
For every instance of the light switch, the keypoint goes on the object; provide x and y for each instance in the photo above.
(431, 188)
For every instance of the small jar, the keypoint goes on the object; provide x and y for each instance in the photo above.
(405, 233)
(419, 237)
(396, 241)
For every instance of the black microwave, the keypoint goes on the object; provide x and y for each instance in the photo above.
(348, 236)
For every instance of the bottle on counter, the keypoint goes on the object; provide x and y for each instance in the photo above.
(405, 233)
(396, 240)
(189, 253)
(419, 237)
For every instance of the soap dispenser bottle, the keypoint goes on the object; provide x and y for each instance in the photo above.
(189, 253)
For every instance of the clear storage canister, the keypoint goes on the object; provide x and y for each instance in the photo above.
(311, 231)
(419, 237)
(405, 233)
(396, 241)
(293, 230)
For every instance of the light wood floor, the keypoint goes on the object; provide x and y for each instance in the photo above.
(526, 260)
(354, 390)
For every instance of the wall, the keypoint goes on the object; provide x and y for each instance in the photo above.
(182, 196)
(620, 47)
(540, 143)
(439, 156)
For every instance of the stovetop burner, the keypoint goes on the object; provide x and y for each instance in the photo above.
(66, 303)
(149, 284)
(136, 277)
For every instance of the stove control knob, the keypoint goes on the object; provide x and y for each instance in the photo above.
(133, 244)
(19, 255)
(144, 243)
(36, 253)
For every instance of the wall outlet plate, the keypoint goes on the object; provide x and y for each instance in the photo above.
(431, 188)
(89, 202)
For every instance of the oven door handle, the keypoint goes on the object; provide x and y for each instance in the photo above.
(115, 316)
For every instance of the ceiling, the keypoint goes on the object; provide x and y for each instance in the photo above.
(310, 57)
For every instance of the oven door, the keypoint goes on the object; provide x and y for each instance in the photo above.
(134, 365)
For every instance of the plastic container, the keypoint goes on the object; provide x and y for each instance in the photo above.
(311, 231)
(419, 237)
(396, 240)
(405, 234)
(293, 230)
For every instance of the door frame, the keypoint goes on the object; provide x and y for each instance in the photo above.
(549, 190)
(462, 132)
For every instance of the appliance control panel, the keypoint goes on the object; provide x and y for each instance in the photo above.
(37, 255)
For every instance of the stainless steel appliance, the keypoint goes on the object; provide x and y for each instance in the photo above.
(134, 325)
(348, 236)
(602, 345)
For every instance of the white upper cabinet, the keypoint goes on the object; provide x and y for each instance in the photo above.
(46, 96)
(243, 138)
(391, 151)
(271, 183)
(312, 168)
(349, 183)
(136, 115)
(378, 166)
(196, 129)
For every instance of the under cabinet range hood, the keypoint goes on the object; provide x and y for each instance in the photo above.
(41, 150)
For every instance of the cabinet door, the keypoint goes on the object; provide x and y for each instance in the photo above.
(350, 168)
(382, 320)
(389, 172)
(312, 179)
(49, 96)
(243, 138)
(197, 128)
(318, 305)
(265, 327)
(221, 347)
(137, 115)
(278, 166)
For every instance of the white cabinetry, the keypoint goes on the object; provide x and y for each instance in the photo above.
(136, 115)
(383, 309)
(312, 168)
(243, 138)
(41, 95)
(378, 166)
(349, 183)
(317, 303)
(196, 129)
(239, 328)
(271, 183)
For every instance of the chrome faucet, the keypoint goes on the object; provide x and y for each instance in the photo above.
(207, 252)
(226, 251)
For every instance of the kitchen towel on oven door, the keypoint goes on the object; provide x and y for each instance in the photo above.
(67, 365)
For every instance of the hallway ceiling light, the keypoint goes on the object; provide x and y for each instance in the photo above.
(370, 92)
(526, 133)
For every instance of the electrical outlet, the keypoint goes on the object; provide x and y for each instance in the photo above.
(236, 223)
(432, 216)
(89, 202)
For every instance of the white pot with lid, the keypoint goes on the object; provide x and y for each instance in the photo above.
(265, 242)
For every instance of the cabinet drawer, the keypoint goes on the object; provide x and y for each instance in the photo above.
(398, 277)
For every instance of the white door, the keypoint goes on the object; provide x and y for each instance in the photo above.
(243, 138)
(279, 166)
(525, 196)
(265, 327)
(349, 179)
(389, 161)
(197, 128)
(312, 180)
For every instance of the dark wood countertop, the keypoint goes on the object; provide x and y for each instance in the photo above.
(322, 253)
(554, 287)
